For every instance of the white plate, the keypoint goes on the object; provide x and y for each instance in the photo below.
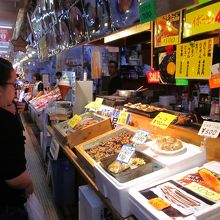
(154, 147)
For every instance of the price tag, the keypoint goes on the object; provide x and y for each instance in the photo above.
(90, 105)
(74, 121)
(140, 136)
(171, 40)
(163, 120)
(147, 11)
(123, 118)
(209, 129)
(126, 153)
(98, 102)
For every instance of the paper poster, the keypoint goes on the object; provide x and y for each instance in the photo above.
(167, 29)
(202, 20)
(193, 60)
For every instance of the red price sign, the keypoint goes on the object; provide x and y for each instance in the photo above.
(4, 35)
(214, 82)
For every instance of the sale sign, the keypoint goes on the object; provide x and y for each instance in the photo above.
(214, 82)
(153, 76)
(4, 35)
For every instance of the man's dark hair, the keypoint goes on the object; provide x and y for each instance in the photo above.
(5, 71)
(116, 63)
(58, 73)
(38, 76)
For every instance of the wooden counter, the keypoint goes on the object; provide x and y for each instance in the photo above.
(183, 133)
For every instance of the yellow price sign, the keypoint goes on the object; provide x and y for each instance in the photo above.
(123, 118)
(74, 121)
(98, 102)
(172, 40)
(90, 105)
(163, 120)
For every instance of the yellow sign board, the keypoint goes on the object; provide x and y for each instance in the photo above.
(74, 121)
(193, 60)
(163, 120)
(96, 104)
(123, 118)
(202, 20)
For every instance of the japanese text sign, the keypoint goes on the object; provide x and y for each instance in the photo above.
(193, 60)
(209, 129)
(147, 11)
(140, 136)
(163, 120)
(202, 20)
(123, 118)
(153, 76)
(74, 121)
(126, 153)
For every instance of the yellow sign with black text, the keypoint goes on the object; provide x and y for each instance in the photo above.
(194, 59)
(202, 20)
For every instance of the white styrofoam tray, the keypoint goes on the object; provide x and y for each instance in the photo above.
(143, 210)
(118, 192)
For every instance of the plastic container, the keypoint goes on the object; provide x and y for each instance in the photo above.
(141, 208)
(118, 192)
(63, 178)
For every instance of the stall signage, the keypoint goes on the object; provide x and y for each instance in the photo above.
(182, 82)
(98, 103)
(115, 118)
(163, 120)
(125, 154)
(153, 76)
(54, 148)
(167, 29)
(140, 136)
(4, 35)
(147, 11)
(202, 20)
(43, 47)
(193, 60)
(123, 118)
(214, 82)
(74, 121)
(209, 129)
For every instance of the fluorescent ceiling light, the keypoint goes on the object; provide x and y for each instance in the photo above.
(5, 27)
(128, 32)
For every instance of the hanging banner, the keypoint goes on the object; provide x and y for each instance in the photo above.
(43, 47)
(4, 35)
(194, 59)
(167, 29)
(202, 20)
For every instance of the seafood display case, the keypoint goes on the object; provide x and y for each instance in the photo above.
(163, 164)
(193, 194)
(89, 127)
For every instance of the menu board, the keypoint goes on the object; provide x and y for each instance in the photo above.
(167, 29)
(124, 13)
(202, 20)
(193, 60)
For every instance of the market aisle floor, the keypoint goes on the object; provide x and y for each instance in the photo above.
(36, 169)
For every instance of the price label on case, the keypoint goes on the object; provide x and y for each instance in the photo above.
(98, 102)
(126, 153)
(140, 136)
(74, 121)
(163, 120)
(209, 129)
(123, 118)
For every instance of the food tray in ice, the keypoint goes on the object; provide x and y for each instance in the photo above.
(141, 166)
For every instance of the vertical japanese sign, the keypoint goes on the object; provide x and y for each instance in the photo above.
(43, 47)
(202, 20)
(167, 29)
(193, 60)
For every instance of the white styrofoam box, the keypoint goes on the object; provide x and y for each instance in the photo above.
(143, 210)
(118, 192)
(90, 205)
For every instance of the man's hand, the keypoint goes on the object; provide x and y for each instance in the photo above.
(20, 106)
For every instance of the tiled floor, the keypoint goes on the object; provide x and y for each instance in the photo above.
(36, 169)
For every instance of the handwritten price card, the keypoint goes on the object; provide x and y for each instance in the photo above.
(163, 120)
(123, 118)
(98, 102)
(126, 153)
(140, 136)
(74, 121)
(209, 129)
